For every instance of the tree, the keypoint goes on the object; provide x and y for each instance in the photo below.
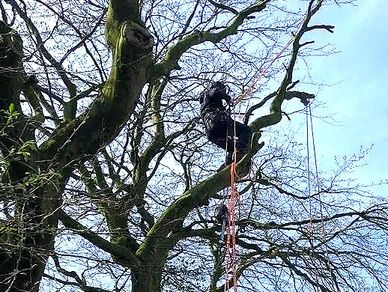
(107, 177)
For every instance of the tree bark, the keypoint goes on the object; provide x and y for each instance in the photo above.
(28, 237)
(146, 279)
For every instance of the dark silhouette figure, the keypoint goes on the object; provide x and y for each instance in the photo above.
(221, 215)
(218, 123)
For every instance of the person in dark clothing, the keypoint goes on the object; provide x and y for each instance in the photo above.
(221, 216)
(218, 123)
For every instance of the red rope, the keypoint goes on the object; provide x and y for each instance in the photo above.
(234, 197)
(260, 74)
(231, 251)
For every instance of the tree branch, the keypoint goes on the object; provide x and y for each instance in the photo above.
(126, 257)
(131, 45)
(172, 218)
(275, 114)
(173, 55)
(72, 89)
(223, 7)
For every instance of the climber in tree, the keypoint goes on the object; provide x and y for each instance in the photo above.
(221, 216)
(218, 123)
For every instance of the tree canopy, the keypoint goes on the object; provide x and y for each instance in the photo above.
(108, 182)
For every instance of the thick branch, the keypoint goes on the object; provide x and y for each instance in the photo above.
(171, 220)
(173, 55)
(304, 98)
(119, 12)
(107, 115)
(329, 28)
(223, 7)
(275, 114)
(125, 255)
(15, 126)
(11, 53)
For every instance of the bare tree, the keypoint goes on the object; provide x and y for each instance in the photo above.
(108, 181)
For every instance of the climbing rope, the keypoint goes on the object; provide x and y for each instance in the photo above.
(313, 144)
(310, 130)
(308, 169)
(322, 232)
(233, 200)
(234, 197)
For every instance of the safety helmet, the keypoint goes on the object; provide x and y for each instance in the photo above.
(219, 87)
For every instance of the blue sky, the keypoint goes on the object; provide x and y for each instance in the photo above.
(357, 98)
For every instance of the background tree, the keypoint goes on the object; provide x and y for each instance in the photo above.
(108, 182)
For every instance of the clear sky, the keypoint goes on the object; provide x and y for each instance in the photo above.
(357, 98)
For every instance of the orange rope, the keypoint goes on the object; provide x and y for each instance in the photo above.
(231, 251)
(233, 199)
(260, 74)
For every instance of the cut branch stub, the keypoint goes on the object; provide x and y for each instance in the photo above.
(131, 46)
(137, 35)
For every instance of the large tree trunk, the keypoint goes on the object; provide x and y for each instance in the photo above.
(27, 236)
(146, 279)
(23, 266)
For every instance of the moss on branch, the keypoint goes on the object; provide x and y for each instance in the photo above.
(173, 55)
(131, 45)
(172, 218)
(11, 53)
(275, 114)
(125, 255)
